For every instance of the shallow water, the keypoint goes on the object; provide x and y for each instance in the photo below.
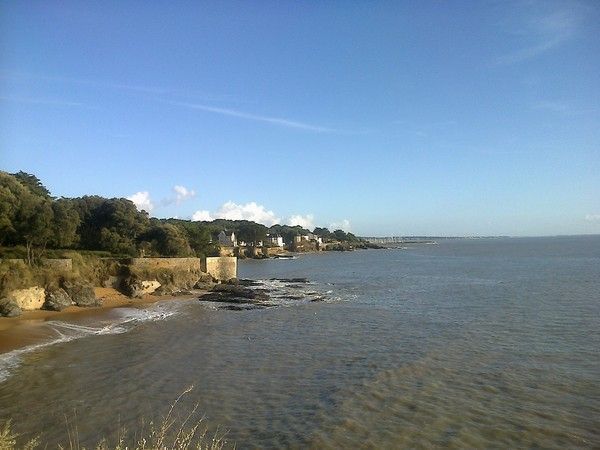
(469, 343)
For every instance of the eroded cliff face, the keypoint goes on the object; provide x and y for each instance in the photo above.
(134, 277)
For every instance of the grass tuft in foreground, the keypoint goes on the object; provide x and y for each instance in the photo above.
(174, 432)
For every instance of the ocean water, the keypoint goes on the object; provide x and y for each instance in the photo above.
(466, 344)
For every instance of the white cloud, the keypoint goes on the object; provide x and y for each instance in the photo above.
(182, 193)
(142, 201)
(592, 217)
(306, 221)
(247, 211)
(343, 225)
(202, 215)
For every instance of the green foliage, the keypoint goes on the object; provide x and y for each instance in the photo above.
(33, 224)
(66, 222)
(32, 183)
(166, 239)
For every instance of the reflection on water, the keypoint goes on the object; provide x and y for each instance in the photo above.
(464, 344)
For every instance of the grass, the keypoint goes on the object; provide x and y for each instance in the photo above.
(173, 432)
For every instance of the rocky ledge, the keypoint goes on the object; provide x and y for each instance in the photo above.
(244, 295)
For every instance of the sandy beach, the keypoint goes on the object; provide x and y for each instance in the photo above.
(28, 329)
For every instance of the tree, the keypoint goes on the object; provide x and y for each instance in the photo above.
(322, 232)
(167, 240)
(33, 183)
(65, 224)
(25, 217)
(251, 232)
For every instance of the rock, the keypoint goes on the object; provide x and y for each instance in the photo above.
(28, 299)
(137, 288)
(204, 286)
(8, 308)
(81, 293)
(164, 290)
(247, 282)
(112, 282)
(234, 294)
(203, 278)
(291, 280)
(57, 299)
(232, 281)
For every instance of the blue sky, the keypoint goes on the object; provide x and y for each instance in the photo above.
(444, 118)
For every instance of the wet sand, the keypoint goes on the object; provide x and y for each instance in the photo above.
(29, 328)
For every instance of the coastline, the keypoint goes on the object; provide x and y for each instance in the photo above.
(28, 329)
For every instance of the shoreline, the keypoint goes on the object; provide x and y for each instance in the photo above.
(29, 328)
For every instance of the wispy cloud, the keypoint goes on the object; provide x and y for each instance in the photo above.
(543, 32)
(267, 119)
(83, 82)
(560, 107)
(592, 218)
(168, 96)
(40, 101)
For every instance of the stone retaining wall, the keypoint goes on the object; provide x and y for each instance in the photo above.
(222, 268)
(179, 264)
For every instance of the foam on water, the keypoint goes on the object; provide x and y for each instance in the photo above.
(121, 320)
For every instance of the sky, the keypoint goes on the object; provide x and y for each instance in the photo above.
(380, 118)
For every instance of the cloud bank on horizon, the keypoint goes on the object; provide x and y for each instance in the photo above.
(230, 210)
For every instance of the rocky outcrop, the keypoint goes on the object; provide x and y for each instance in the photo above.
(28, 299)
(236, 294)
(8, 308)
(81, 293)
(137, 288)
(57, 299)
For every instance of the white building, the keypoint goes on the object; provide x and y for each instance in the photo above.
(274, 239)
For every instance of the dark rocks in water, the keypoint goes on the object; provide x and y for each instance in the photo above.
(234, 294)
(291, 280)
(9, 308)
(204, 286)
(81, 293)
(233, 281)
(57, 299)
(317, 299)
(247, 282)
(245, 307)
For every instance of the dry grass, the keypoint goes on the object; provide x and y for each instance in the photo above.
(173, 432)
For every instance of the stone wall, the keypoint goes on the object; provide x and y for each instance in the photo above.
(272, 251)
(221, 268)
(178, 264)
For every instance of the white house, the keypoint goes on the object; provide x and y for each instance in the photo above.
(275, 239)
(227, 239)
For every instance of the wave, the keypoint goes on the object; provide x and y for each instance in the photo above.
(121, 320)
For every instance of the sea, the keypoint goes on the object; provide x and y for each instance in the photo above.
(469, 343)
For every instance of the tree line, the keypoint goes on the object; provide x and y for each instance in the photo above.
(32, 219)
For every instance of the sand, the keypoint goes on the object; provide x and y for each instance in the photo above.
(29, 329)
